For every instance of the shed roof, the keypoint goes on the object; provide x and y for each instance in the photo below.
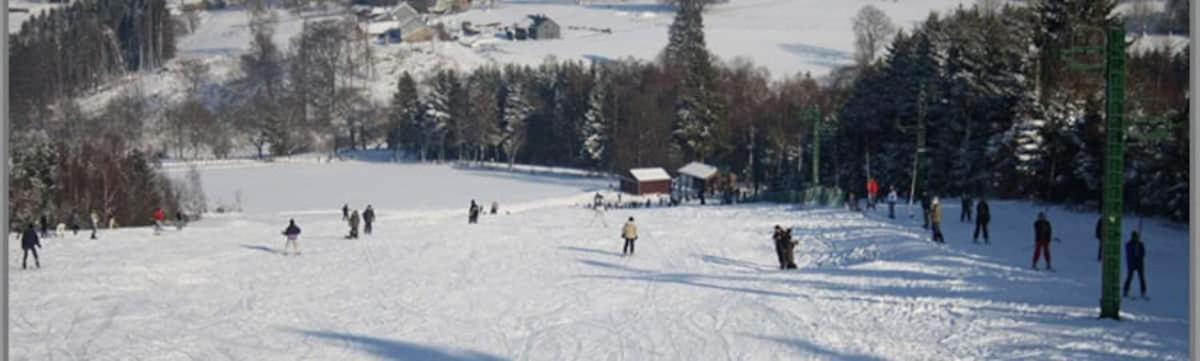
(649, 174)
(699, 170)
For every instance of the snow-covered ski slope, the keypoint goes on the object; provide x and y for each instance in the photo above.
(540, 283)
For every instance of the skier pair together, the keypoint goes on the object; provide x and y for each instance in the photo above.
(785, 247)
(353, 219)
(475, 209)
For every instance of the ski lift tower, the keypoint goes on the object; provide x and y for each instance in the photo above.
(1113, 51)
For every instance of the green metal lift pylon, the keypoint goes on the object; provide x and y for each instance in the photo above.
(1113, 64)
(1114, 172)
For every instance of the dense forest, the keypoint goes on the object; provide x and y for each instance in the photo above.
(978, 101)
(66, 163)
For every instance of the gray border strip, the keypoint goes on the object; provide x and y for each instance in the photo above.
(1194, 292)
(4, 145)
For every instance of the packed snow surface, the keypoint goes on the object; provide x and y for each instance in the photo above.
(545, 280)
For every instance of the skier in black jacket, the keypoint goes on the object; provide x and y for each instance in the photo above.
(1135, 254)
(368, 217)
(345, 212)
(983, 215)
(292, 232)
(30, 243)
(925, 207)
(45, 226)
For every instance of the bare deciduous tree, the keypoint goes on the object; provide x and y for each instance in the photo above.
(872, 30)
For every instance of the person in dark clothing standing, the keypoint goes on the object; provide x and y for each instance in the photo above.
(1135, 254)
(346, 212)
(354, 224)
(368, 217)
(965, 216)
(779, 239)
(292, 232)
(179, 220)
(45, 226)
(1042, 234)
(1100, 239)
(75, 224)
(983, 215)
(30, 243)
(473, 213)
(925, 207)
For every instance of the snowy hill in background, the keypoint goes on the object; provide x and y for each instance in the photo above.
(544, 283)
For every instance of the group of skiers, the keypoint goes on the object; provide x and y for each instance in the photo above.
(476, 209)
(353, 219)
(31, 237)
(931, 209)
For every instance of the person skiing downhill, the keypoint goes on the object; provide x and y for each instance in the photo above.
(891, 199)
(292, 233)
(1135, 254)
(368, 218)
(1042, 233)
(935, 220)
(354, 219)
(630, 233)
(29, 244)
(983, 215)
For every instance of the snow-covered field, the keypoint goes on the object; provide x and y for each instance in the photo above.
(540, 283)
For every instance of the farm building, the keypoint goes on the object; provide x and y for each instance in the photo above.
(401, 23)
(697, 177)
(544, 28)
(641, 181)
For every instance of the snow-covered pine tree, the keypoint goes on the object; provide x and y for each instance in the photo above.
(516, 112)
(697, 108)
(439, 112)
(595, 128)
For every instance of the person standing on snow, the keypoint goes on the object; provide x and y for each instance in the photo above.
(630, 233)
(1042, 234)
(159, 217)
(872, 193)
(965, 216)
(45, 225)
(29, 243)
(495, 207)
(95, 223)
(935, 220)
(74, 224)
(292, 233)
(473, 213)
(346, 212)
(179, 220)
(925, 207)
(983, 215)
(354, 224)
(1135, 254)
(1100, 239)
(112, 222)
(368, 217)
(891, 199)
(779, 246)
